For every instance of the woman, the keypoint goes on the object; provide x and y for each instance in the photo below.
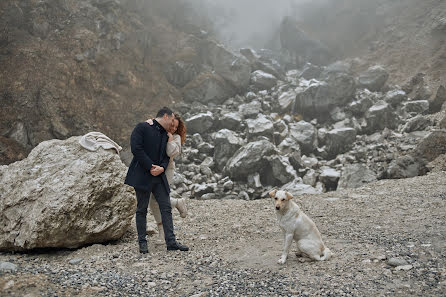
(177, 138)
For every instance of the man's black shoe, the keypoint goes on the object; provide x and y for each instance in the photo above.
(177, 246)
(143, 247)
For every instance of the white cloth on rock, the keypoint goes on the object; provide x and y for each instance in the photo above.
(94, 140)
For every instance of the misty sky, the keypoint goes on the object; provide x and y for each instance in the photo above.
(253, 23)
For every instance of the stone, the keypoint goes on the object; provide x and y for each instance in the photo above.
(207, 88)
(396, 262)
(355, 175)
(7, 267)
(200, 123)
(262, 80)
(227, 143)
(248, 159)
(305, 135)
(260, 126)
(373, 78)
(437, 102)
(339, 141)
(63, 195)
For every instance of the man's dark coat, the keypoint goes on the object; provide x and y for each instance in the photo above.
(148, 144)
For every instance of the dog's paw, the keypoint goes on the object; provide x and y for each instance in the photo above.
(282, 260)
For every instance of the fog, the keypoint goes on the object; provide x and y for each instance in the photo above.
(252, 23)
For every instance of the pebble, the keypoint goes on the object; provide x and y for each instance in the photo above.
(75, 261)
(397, 262)
(7, 267)
(403, 267)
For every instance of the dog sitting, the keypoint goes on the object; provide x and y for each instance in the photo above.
(298, 226)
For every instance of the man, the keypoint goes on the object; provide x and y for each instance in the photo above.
(146, 175)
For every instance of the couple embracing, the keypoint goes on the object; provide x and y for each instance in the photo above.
(150, 172)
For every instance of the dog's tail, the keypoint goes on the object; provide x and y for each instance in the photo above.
(326, 254)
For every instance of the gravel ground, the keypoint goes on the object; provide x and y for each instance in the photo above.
(389, 238)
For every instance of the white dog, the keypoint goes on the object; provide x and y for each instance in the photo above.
(298, 226)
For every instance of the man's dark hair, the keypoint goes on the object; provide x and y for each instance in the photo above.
(163, 111)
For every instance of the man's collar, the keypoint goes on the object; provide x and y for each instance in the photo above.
(158, 126)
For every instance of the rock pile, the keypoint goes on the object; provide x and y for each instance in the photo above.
(311, 130)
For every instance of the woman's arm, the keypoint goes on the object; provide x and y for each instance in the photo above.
(173, 148)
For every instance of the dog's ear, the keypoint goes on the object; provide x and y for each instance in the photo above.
(273, 193)
(288, 196)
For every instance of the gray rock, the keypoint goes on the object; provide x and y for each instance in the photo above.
(200, 190)
(397, 262)
(280, 171)
(7, 267)
(417, 106)
(417, 123)
(200, 123)
(231, 121)
(310, 71)
(432, 145)
(318, 98)
(63, 195)
(395, 97)
(251, 109)
(75, 261)
(249, 159)
(19, 134)
(339, 141)
(310, 178)
(227, 143)
(207, 88)
(437, 102)
(355, 175)
(296, 188)
(260, 126)
(286, 100)
(373, 78)
(236, 70)
(329, 177)
(305, 135)
(380, 116)
(403, 167)
(262, 80)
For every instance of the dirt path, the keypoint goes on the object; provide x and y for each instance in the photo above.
(235, 246)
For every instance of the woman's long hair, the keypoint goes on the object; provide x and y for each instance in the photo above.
(181, 130)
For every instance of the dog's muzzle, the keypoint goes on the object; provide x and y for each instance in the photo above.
(277, 207)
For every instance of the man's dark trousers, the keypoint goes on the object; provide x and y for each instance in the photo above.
(163, 199)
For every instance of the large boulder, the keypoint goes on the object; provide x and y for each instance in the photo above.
(227, 143)
(64, 196)
(230, 120)
(286, 100)
(318, 98)
(417, 123)
(329, 177)
(403, 167)
(260, 126)
(207, 88)
(262, 80)
(416, 106)
(432, 145)
(379, 116)
(249, 159)
(236, 70)
(356, 175)
(373, 78)
(182, 67)
(281, 171)
(437, 102)
(305, 134)
(339, 141)
(200, 123)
